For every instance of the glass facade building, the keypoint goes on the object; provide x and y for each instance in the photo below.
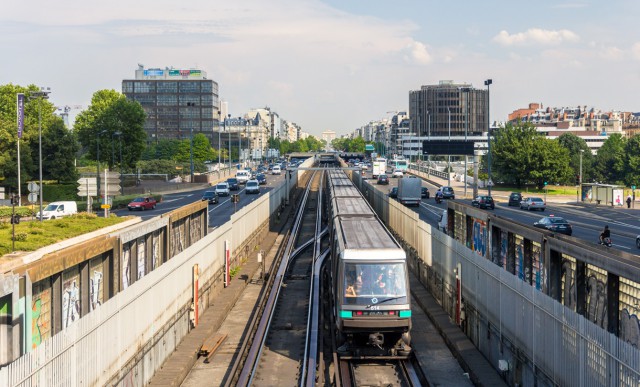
(177, 102)
(448, 108)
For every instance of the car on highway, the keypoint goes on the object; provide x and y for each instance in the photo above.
(424, 192)
(276, 170)
(484, 202)
(252, 186)
(222, 189)
(211, 196)
(393, 193)
(142, 203)
(383, 179)
(397, 173)
(514, 199)
(448, 192)
(638, 241)
(532, 204)
(234, 184)
(262, 178)
(555, 224)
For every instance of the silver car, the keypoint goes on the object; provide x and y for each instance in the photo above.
(533, 204)
(253, 186)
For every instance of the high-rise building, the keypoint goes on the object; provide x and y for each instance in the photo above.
(177, 102)
(447, 109)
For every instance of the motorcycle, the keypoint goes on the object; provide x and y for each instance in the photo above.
(605, 242)
(438, 199)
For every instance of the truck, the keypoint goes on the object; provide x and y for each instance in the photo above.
(410, 191)
(379, 166)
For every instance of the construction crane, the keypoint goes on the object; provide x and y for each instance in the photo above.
(63, 112)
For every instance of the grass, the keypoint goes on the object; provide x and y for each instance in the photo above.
(551, 190)
(33, 235)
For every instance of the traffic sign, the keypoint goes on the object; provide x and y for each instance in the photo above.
(105, 206)
(33, 197)
(33, 187)
(113, 190)
(87, 186)
(90, 192)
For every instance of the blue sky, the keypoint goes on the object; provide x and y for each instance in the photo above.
(333, 64)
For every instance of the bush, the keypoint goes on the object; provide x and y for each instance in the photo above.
(59, 192)
(5, 212)
(20, 237)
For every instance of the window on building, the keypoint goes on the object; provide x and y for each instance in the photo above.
(167, 87)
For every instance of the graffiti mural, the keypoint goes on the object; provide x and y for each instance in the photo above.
(504, 248)
(155, 250)
(479, 237)
(597, 301)
(126, 265)
(520, 268)
(141, 257)
(630, 328)
(70, 298)
(95, 283)
(569, 283)
(539, 271)
(40, 312)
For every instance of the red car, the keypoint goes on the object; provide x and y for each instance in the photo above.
(143, 203)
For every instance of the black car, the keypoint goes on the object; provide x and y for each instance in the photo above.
(447, 193)
(383, 179)
(262, 179)
(233, 184)
(424, 192)
(211, 196)
(483, 202)
(515, 198)
(555, 224)
(394, 192)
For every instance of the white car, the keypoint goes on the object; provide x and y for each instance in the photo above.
(397, 173)
(253, 186)
(222, 189)
(276, 170)
(243, 176)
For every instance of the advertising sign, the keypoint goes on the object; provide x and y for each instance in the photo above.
(20, 97)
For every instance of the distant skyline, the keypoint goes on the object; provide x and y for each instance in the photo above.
(334, 64)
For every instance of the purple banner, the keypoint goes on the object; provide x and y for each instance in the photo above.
(20, 114)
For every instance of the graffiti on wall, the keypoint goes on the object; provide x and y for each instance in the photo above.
(520, 268)
(630, 328)
(597, 301)
(126, 265)
(70, 302)
(95, 289)
(40, 313)
(569, 284)
(141, 257)
(539, 271)
(479, 237)
(504, 248)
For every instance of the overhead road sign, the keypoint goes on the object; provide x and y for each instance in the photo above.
(445, 147)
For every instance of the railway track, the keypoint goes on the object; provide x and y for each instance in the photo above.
(278, 353)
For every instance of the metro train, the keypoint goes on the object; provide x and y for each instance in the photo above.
(372, 305)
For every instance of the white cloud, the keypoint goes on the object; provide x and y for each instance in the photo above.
(570, 6)
(635, 51)
(416, 52)
(536, 36)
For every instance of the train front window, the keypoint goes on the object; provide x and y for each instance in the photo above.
(384, 282)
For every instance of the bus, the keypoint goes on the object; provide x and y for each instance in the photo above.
(400, 164)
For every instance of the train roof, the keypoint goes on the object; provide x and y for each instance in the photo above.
(364, 233)
(345, 191)
(352, 206)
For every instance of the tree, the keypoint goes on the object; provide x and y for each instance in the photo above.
(521, 155)
(576, 146)
(59, 148)
(164, 149)
(111, 112)
(610, 161)
(632, 164)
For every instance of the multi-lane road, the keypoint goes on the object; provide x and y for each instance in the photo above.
(587, 220)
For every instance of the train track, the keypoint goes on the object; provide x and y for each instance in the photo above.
(278, 348)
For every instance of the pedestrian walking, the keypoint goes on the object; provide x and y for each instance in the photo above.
(629, 201)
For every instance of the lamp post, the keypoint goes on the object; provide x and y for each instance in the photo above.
(219, 143)
(98, 161)
(229, 146)
(40, 95)
(119, 134)
(488, 83)
(579, 178)
(449, 156)
(466, 128)
(191, 154)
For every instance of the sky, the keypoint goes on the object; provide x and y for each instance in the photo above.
(334, 64)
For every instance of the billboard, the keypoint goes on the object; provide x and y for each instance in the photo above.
(445, 147)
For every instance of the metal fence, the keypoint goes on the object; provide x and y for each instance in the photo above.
(537, 340)
(128, 338)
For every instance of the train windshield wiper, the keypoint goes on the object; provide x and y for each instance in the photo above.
(385, 300)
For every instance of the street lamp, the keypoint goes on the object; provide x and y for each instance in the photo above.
(488, 83)
(449, 156)
(191, 153)
(119, 135)
(40, 95)
(579, 178)
(98, 160)
(229, 147)
(466, 129)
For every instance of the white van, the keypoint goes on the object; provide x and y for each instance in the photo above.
(57, 210)
(276, 170)
(443, 222)
(243, 176)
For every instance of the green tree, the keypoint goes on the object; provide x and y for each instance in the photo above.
(111, 113)
(202, 150)
(632, 164)
(165, 149)
(521, 155)
(357, 145)
(577, 146)
(609, 163)
(59, 148)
